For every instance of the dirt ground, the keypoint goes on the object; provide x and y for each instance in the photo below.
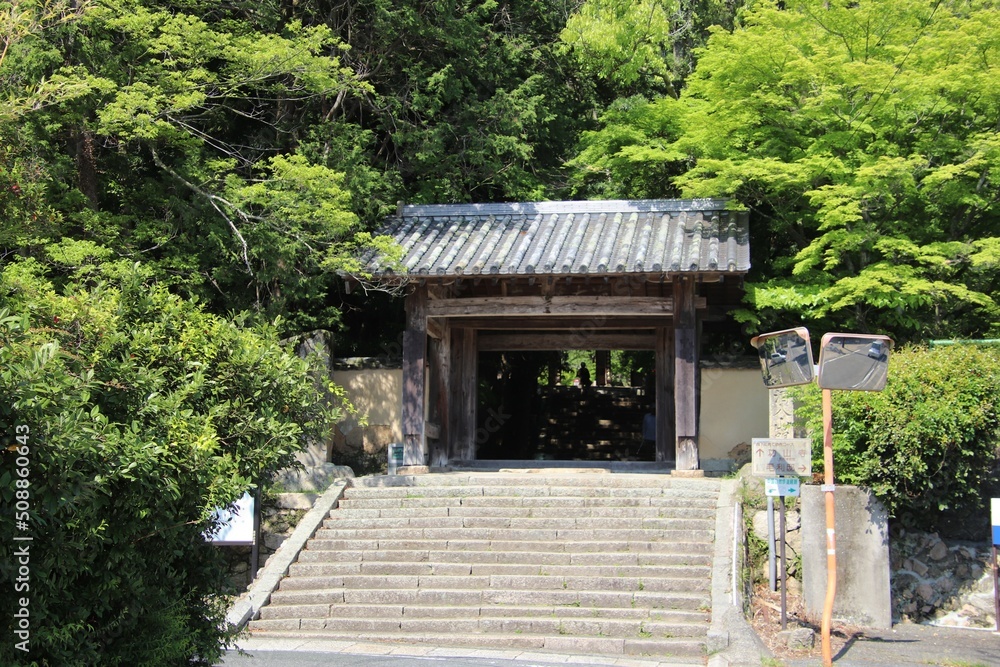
(766, 622)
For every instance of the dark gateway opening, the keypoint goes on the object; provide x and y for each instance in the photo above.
(538, 406)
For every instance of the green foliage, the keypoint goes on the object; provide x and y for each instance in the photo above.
(144, 413)
(862, 135)
(622, 41)
(929, 444)
(167, 135)
(645, 46)
(473, 99)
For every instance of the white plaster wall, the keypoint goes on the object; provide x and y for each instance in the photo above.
(377, 393)
(734, 409)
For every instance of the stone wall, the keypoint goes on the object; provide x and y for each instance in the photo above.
(932, 580)
(941, 581)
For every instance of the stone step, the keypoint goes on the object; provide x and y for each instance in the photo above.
(368, 502)
(542, 546)
(381, 534)
(313, 576)
(594, 626)
(446, 510)
(422, 569)
(320, 551)
(387, 611)
(342, 521)
(314, 589)
(592, 492)
(550, 479)
(583, 563)
(686, 650)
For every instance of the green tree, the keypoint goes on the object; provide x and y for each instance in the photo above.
(171, 138)
(862, 135)
(472, 101)
(929, 444)
(138, 414)
(643, 47)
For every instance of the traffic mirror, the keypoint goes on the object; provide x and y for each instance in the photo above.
(857, 362)
(785, 357)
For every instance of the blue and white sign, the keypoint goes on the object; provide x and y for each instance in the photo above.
(781, 487)
(995, 507)
(236, 525)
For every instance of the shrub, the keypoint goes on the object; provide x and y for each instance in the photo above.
(927, 445)
(142, 414)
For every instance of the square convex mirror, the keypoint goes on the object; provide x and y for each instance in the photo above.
(856, 362)
(785, 357)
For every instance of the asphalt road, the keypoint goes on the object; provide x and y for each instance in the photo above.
(856, 365)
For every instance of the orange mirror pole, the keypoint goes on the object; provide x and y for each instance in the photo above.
(831, 542)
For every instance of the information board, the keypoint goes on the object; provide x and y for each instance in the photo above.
(787, 457)
(235, 525)
(781, 487)
(995, 507)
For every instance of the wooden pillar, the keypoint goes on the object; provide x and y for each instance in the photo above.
(686, 373)
(664, 390)
(462, 395)
(436, 429)
(414, 378)
(602, 359)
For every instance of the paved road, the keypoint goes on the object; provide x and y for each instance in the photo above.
(912, 645)
(312, 659)
(312, 652)
(859, 363)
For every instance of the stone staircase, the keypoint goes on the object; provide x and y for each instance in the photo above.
(592, 424)
(586, 562)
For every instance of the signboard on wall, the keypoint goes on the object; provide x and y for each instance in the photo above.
(235, 525)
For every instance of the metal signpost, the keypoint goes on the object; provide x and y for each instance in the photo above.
(847, 362)
(780, 463)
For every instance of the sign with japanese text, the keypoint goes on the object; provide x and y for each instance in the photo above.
(781, 487)
(787, 457)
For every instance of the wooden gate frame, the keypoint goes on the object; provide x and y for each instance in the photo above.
(445, 333)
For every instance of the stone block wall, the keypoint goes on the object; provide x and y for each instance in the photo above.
(941, 581)
(932, 579)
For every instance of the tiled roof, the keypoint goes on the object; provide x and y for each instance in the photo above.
(570, 238)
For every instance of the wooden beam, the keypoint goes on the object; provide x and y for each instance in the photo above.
(414, 363)
(556, 323)
(565, 340)
(685, 374)
(436, 327)
(535, 306)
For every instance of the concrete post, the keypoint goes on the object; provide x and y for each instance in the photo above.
(863, 596)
